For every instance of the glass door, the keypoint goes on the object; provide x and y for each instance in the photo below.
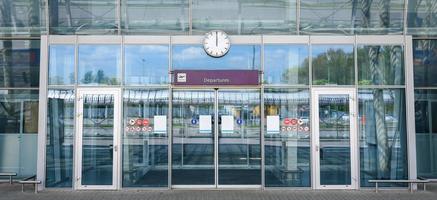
(97, 138)
(334, 138)
(210, 153)
(239, 149)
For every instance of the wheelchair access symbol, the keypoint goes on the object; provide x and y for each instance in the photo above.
(239, 121)
(194, 121)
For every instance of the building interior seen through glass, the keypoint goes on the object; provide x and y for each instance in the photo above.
(113, 116)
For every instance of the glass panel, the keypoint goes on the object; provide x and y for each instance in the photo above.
(146, 64)
(381, 65)
(425, 63)
(239, 57)
(422, 17)
(383, 136)
(334, 140)
(19, 63)
(245, 17)
(61, 65)
(145, 139)
(18, 131)
(351, 17)
(333, 64)
(83, 17)
(287, 145)
(155, 16)
(239, 156)
(193, 138)
(22, 17)
(97, 139)
(99, 65)
(60, 138)
(286, 64)
(426, 132)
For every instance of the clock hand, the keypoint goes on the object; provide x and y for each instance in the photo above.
(216, 39)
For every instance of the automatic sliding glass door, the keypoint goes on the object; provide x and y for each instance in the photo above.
(210, 153)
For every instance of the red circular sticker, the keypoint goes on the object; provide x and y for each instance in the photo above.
(139, 122)
(286, 121)
(293, 122)
(145, 122)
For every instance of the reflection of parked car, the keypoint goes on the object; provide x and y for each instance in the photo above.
(391, 119)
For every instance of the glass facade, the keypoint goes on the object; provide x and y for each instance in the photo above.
(22, 17)
(18, 131)
(425, 93)
(60, 138)
(288, 72)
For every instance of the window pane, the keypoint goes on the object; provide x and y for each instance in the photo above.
(145, 146)
(426, 132)
(286, 64)
(146, 64)
(19, 63)
(99, 65)
(287, 150)
(83, 17)
(60, 138)
(22, 17)
(422, 17)
(244, 17)
(425, 63)
(380, 65)
(239, 57)
(61, 65)
(155, 16)
(351, 17)
(333, 64)
(383, 135)
(18, 131)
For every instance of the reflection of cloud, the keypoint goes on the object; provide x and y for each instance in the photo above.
(152, 48)
(189, 53)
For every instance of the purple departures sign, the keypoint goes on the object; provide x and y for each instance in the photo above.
(215, 77)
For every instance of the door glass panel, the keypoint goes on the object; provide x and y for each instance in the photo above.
(334, 137)
(97, 139)
(239, 156)
(193, 138)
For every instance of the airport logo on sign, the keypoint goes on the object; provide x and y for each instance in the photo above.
(181, 77)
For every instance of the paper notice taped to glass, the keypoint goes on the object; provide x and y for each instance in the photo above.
(227, 124)
(205, 124)
(273, 124)
(160, 124)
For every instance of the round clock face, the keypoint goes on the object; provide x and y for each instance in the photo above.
(216, 43)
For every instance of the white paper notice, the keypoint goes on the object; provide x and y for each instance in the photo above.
(205, 124)
(273, 124)
(160, 124)
(227, 124)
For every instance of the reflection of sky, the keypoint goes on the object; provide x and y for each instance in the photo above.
(238, 57)
(146, 64)
(93, 58)
(61, 67)
(279, 58)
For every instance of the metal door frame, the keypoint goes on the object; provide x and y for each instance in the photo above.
(316, 140)
(116, 138)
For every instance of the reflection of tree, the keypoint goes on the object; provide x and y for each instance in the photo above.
(378, 78)
(335, 66)
(99, 78)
